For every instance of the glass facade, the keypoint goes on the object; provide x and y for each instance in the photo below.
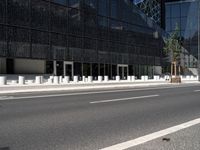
(185, 15)
(96, 35)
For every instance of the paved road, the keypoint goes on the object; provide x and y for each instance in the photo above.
(90, 120)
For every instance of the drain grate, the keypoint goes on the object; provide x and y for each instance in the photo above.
(4, 148)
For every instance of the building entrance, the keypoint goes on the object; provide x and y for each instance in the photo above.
(69, 69)
(122, 71)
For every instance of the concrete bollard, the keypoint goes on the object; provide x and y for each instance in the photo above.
(42, 79)
(106, 78)
(144, 78)
(56, 80)
(21, 80)
(83, 79)
(66, 79)
(38, 80)
(100, 78)
(156, 78)
(60, 79)
(117, 78)
(75, 79)
(50, 81)
(132, 78)
(3, 80)
(129, 78)
(89, 78)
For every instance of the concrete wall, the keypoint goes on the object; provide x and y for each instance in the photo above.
(157, 70)
(29, 66)
(2, 65)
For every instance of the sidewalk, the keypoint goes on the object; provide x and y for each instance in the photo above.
(6, 89)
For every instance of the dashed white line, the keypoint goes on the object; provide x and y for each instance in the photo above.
(123, 99)
(152, 136)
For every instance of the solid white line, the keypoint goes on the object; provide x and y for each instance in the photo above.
(123, 99)
(152, 136)
(87, 93)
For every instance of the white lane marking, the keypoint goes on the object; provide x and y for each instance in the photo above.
(152, 136)
(96, 92)
(196, 90)
(123, 99)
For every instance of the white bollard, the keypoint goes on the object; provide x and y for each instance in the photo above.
(156, 78)
(38, 80)
(21, 80)
(83, 79)
(106, 78)
(50, 81)
(117, 78)
(3, 80)
(90, 79)
(56, 80)
(132, 78)
(60, 79)
(75, 79)
(66, 79)
(143, 78)
(100, 78)
(129, 78)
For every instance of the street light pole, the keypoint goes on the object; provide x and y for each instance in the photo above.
(198, 40)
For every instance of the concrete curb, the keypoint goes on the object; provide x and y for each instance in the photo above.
(88, 87)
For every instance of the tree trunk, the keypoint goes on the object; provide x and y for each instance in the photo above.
(175, 70)
(171, 69)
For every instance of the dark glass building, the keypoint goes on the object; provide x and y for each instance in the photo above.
(184, 13)
(78, 37)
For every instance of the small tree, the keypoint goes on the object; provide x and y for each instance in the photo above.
(173, 49)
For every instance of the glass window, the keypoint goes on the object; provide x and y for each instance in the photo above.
(168, 11)
(183, 23)
(184, 9)
(91, 3)
(74, 3)
(175, 10)
(114, 6)
(40, 14)
(174, 22)
(18, 12)
(2, 11)
(62, 2)
(168, 25)
(103, 7)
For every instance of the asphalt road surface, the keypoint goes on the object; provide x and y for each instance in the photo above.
(97, 119)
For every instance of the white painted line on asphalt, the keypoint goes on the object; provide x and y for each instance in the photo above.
(123, 99)
(87, 93)
(196, 90)
(152, 136)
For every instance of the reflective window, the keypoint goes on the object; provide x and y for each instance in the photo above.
(91, 3)
(74, 3)
(175, 10)
(62, 2)
(174, 22)
(114, 8)
(2, 11)
(103, 7)
(185, 9)
(168, 11)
